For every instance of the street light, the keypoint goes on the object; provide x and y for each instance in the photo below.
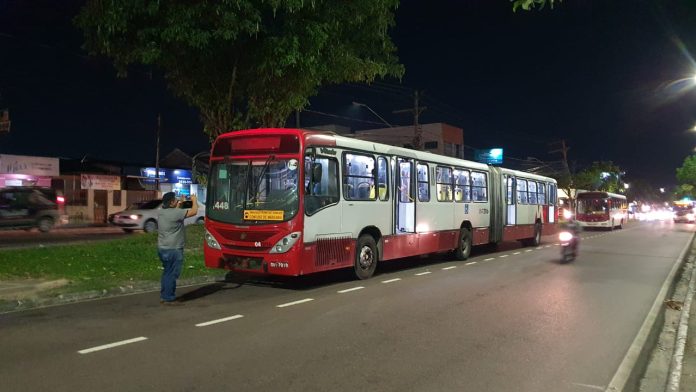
(373, 112)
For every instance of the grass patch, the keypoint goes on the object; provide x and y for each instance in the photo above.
(103, 265)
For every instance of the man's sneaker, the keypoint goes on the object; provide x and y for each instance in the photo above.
(171, 303)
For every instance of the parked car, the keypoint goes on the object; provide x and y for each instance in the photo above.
(143, 216)
(26, 207)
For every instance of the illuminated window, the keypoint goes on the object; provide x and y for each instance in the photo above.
(479, 186)
(444, 184)
(423, 185)
(359, 177)
(462, 186)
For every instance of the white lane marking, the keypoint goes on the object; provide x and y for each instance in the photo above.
(547, 246)
(597, 387)
(516, 253)
(556, 244)
(351, 289)
(222, 320)
(295, 303)
(528, 250)
(112, 345)
(423, 273)
(471, 263)
(449, 268)
(503, 256)
(391, 280)
(489, 259)
(539, 247)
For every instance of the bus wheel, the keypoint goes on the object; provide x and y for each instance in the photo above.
(464, 248)
(365, 257)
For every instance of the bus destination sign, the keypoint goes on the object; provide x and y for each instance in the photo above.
(264, 215)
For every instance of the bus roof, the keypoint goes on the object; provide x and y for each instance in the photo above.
(331, 139)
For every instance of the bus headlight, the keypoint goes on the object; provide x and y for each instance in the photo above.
(286, 243)
(211, 241)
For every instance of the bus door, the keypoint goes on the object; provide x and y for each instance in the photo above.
(511, 211)
(405, 205)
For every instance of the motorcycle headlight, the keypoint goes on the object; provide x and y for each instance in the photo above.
(565, 236)
(286, 243)
(211, 241)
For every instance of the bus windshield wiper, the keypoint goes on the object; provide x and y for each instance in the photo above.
(260, 176)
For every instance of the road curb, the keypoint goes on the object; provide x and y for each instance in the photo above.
(70, 298)
(634, 363)
(676, 366)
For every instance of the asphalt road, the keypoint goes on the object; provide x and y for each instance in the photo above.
(10, 239)
(512, 320)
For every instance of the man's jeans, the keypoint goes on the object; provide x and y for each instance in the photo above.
(172, 261)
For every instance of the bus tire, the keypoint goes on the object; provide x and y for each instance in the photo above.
(365, 257)
(464, 245)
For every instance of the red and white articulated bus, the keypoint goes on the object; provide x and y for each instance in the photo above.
(601, 209)
(294, 202)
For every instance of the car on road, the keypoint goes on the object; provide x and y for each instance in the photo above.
(26, 207)
(684, 214)
(143, 216)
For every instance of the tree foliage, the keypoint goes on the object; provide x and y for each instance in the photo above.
(529, 5)
(600, 176)
(246, 62)
(686, 174)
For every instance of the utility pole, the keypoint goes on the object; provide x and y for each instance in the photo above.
(563, 149)
(297, 118)
(417, 129)
(157, 159)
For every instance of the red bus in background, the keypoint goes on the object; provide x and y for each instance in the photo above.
(601, 209)
(294, 202)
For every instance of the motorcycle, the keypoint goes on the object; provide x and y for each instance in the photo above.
(569, 245)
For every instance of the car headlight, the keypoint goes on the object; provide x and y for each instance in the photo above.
(286, 243)
(135, 217)
(211, 241)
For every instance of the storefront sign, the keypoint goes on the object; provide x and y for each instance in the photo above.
(167, 176)
(34, 166)
(97, 181)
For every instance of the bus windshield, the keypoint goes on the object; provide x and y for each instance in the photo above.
(592, 206)
(253, 191)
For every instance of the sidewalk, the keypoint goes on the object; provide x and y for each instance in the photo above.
(31, 293)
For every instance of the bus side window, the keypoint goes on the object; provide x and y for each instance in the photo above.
(423, 183)
(542, 193)
(382, 178)
(532, 189)
(321, 183)
(521, 191)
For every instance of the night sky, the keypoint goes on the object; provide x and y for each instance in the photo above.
(603, 75)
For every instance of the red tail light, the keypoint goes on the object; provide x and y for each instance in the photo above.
(60, 199)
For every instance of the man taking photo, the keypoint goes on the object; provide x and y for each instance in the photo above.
(171, 238)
